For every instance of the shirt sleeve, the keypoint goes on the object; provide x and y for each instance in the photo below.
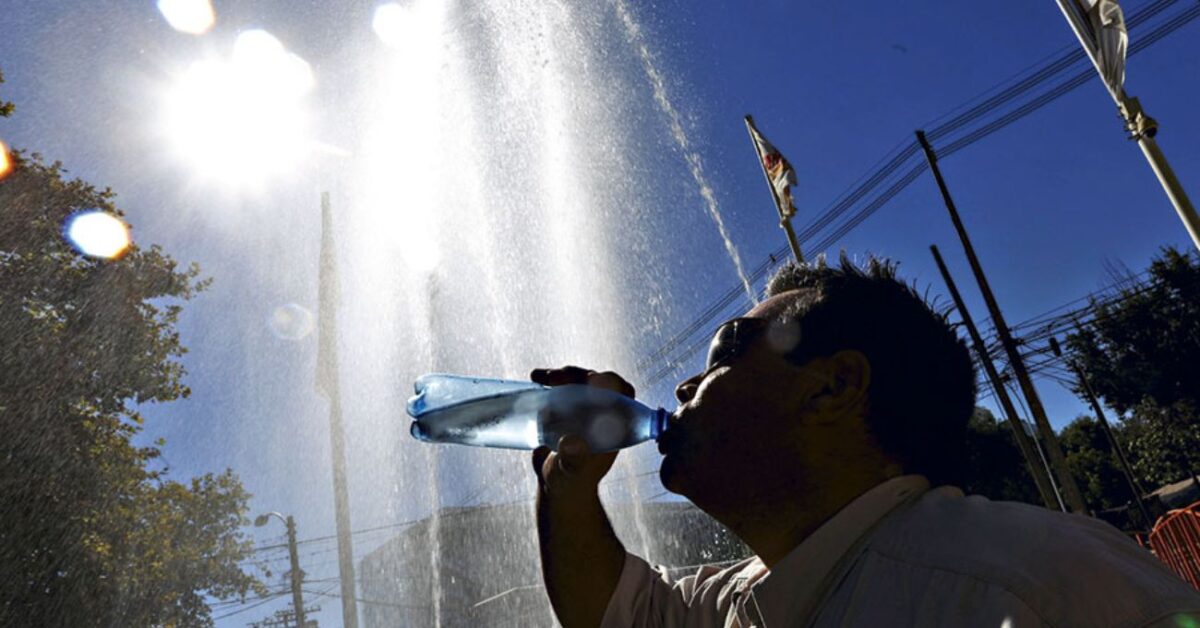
(647, 597)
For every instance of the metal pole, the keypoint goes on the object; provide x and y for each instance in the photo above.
(785, 222)
(1166, 176)
(297, 595)
(1058, 462)
(341, 500)
(1126, 468)
(1038, 471)
(331, 386)
(1141, 126)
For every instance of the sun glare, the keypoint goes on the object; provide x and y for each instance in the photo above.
(242, 119)
(194, 17)
(98, 234)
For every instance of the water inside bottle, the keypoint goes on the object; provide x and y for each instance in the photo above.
(485, 422)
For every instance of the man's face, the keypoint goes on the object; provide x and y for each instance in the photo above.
(737, 420)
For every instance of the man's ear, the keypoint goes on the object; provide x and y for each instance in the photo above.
(848, 377)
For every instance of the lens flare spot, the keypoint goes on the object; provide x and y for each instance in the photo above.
(98, 234)
(6, 165)
(1187, 621)
(242, 119)
(194, 17)
(391, 24)
(291, 322)
(606, 431)
(783, 335)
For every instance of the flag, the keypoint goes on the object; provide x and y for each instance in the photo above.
(1111, 39)
(779, 172)
(327, 354)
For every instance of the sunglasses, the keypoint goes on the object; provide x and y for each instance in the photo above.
(732, 339)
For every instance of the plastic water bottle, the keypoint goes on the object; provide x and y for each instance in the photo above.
(524, 415)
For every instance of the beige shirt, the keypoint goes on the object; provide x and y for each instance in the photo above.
(904, 555)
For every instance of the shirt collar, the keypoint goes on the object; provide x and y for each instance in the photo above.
(792, 585)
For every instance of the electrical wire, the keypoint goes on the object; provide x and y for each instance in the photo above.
(906, 151)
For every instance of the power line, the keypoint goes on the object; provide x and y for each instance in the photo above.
(329, 537)
(223, 604)
(1042, 361)
(375, 602)
(252, 606)
(1059, 63)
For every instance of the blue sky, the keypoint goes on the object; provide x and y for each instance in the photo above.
(836, 86)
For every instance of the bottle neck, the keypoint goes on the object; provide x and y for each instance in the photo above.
(658, 423)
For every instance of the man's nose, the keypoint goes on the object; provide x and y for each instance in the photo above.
(687, 389)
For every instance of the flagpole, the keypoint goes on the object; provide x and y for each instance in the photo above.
(1142, 127)
(785, 222)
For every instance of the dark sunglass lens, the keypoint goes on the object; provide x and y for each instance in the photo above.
(724, 345)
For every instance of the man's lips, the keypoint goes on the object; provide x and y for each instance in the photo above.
(671, 436)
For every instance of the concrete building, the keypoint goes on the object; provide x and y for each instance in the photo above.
(474, 567)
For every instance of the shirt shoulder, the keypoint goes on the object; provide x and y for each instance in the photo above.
(646, 596)
(1070, 569)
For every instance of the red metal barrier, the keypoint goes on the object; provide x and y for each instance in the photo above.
(1175, 539)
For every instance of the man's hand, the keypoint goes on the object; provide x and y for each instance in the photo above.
(581, 556)
(573, 470)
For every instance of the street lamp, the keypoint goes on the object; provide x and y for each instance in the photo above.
(297, 597)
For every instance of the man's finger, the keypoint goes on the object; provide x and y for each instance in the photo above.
(560, 376)
(539, 463)
(573, 453)
(611, 381)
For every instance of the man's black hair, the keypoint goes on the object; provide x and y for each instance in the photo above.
(922, 388)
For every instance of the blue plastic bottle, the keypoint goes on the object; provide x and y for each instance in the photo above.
(524, 415)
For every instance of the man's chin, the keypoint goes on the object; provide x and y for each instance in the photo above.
(671, 477)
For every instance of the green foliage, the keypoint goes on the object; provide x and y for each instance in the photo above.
(1094, 465)
(995, 467)
(1140, 355)
(6, 108)
(1163, 443)
(1146, 345)
(92, 533)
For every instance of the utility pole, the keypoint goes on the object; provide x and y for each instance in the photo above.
(294, 557)
(1126, 468)
(285, 618)
(1141, 127)
(1066, 483)
(1037, 469)
(329, 383)
(297, 577)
